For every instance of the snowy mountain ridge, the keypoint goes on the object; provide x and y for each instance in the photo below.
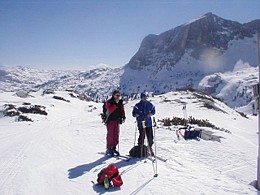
(183, 56)
(234, 87)
(95, 83)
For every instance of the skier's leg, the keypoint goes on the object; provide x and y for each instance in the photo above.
(141, 137)
(149, 134)
(109, 137)
(116, 137)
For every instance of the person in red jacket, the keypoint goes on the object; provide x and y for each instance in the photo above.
(115, 115)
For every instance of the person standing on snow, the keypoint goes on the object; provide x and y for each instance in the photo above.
(115, 115)
(143, 111)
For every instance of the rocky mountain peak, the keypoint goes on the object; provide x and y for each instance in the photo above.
(206, 32)
(181, 57)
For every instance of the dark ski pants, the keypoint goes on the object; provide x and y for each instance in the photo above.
(112, 134)
(148, 133)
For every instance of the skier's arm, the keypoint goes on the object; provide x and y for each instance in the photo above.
(123, 111)
(136, 111)
(151, 111)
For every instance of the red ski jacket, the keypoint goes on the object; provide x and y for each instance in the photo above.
(115, 111)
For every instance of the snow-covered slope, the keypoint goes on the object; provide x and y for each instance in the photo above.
(25, 78)
(235, 88)
(96, 83)
(58, 153)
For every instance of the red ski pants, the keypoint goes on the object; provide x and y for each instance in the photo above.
(112, 134)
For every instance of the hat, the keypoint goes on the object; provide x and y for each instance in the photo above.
(143, 95)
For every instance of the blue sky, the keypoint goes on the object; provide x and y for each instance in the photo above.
(50, 34)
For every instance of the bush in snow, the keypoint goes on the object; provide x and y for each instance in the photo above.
(24, 118)
(10, 110)
(190, 120)
(60, 98)
(36, 109)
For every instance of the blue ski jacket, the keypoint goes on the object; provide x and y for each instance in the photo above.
(141, 111)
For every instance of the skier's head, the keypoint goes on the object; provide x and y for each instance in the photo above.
(143, 97)
(116, 94)
(116, 91)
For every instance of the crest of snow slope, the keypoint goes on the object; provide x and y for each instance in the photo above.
(58, 153)
(235, 88)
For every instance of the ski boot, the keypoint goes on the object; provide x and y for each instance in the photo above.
(116, 152)
(109, 152)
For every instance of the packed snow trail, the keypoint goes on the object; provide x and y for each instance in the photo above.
(58, 153)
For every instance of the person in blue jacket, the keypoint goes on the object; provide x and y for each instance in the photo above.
(143, 111)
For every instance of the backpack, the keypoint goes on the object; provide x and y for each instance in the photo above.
(136, 151)
(112, 174)
(192, 134)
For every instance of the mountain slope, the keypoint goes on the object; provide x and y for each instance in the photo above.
(234, 88)
(181, 57)
(58, 153)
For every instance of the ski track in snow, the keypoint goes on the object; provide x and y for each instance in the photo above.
(58, 154)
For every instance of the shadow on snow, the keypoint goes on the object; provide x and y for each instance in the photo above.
(131, 164)
(82, 169)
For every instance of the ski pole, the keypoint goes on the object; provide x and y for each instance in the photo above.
(185, 113)
(135, 133)
(154, 122)
(153, 160)
(118, 137)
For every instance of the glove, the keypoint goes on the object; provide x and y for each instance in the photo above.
(150, 114)
(103, 116)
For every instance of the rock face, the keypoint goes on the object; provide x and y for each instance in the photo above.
(184, 55)
(206, 32)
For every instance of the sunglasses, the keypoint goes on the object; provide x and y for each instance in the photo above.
(118, 95)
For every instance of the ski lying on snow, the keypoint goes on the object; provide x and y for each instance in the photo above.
(125, 158)
(160, 158)
(153, 158)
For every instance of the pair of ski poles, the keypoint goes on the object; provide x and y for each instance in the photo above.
(144, 135)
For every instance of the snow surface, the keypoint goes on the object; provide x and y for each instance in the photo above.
(235, 88)
(58, 153)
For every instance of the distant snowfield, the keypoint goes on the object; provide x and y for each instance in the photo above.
(58, 153)
(235, 88)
